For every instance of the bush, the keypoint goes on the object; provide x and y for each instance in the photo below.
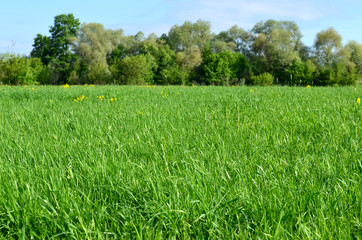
(137, 69)
(264, 79)
(303, 73)
(98, 73)
(17, 70)
(221, 68)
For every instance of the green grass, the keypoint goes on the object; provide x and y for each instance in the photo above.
(180, 163)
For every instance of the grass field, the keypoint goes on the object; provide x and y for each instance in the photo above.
(142, 162)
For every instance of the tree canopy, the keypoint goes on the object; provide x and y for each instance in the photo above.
(270, 52)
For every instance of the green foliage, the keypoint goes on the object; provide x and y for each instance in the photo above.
(264, 79)
(235, 38)
(191, 54)
(189, 34)
(302, 73)
(98, 73)
(274, 46)
(327, 45)
(42, 45)
(355, 50)
(93, 42)
(17, 70)
(220, 68)
(55, 49)
(167, 70)
(137, 69)
(339, 74)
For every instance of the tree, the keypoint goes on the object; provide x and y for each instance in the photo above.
(56, 48)
(218, 45)
(336, 65)
(303, 73)
(41, 48)
(92, 44)
(188, 35)
(236, 36)
(167, 70)
(327, 44)
(220, 68)
(136, 69)
(275, 45)
(189, 60)
(355, 50)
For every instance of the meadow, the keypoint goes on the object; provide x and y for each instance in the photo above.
(167, 162)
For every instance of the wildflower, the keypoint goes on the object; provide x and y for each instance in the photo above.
(65, 86)
(358, 101)
(308, 86)
(355, 89)
(193, 85)
(81, 98)
(139, 113)
(51, 100)
(251, 90)
(33, 89)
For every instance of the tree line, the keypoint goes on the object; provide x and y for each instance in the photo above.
(270, 53)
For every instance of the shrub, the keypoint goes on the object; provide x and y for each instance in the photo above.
(264, 79)
(98, 73)
(221, 68)
(303, 73)
(137, 69)
(20, 70)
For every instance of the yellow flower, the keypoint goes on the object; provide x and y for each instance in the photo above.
(33, 89)
(251, 90)
(139, 113)
(65, 86)
(308, 86)
(358, 101)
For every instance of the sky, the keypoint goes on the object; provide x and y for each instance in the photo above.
(22, 20)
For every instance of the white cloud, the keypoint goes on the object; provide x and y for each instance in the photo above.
(224, 14)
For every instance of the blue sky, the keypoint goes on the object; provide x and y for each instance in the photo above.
(22, 20)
